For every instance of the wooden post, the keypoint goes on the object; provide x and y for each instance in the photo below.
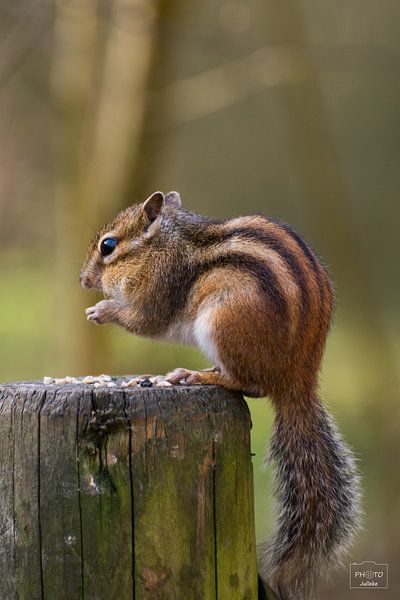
(142, 493)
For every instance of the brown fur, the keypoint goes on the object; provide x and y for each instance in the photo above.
(254, 297)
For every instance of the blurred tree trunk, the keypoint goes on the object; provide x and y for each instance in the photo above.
(150, 157)
(330, 210)
(74, 55)
(329, 205)
(99, 81)
(122, 98)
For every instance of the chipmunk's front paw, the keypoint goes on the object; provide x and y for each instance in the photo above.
(102, 312)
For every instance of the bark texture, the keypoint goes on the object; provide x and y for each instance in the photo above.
(142, 493)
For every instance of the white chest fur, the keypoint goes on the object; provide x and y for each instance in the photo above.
(203, 328)
(196, 333)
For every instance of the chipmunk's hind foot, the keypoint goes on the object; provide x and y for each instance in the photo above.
(207, 377)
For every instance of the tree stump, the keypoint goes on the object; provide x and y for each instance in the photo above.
(112, 493)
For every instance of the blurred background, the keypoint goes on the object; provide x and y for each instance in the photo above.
(244, 106)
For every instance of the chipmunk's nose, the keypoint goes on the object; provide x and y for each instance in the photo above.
(90, 280)
(84, 281)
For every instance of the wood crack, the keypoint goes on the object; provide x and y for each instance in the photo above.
(77, 450)
(40, 538)
(132, 499)
(214, 489)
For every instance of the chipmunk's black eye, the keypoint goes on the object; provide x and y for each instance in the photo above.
(107, 246)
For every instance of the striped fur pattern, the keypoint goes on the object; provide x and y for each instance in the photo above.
(253, 296)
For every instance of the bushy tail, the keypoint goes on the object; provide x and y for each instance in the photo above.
(318, 497)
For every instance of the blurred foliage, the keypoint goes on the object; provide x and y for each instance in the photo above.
(285, 108)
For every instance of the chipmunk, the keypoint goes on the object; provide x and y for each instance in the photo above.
(252, 295)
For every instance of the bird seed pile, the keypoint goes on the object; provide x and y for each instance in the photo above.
(110, 382)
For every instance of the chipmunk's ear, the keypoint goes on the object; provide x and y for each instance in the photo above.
(154, 205)
(173, 199)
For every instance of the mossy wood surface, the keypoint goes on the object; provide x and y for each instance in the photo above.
(110, 493)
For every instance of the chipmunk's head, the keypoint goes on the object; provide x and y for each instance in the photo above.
(124, 240)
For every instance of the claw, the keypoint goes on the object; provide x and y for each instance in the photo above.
(189, 377)
(194, 378)
(101, 312)
(178, 375)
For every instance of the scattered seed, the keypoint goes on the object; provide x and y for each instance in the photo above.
(130, 383)
(89, 379)
(103, 380)
(100, 384)
(105, 377)
(146, 383)
(156, 379)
